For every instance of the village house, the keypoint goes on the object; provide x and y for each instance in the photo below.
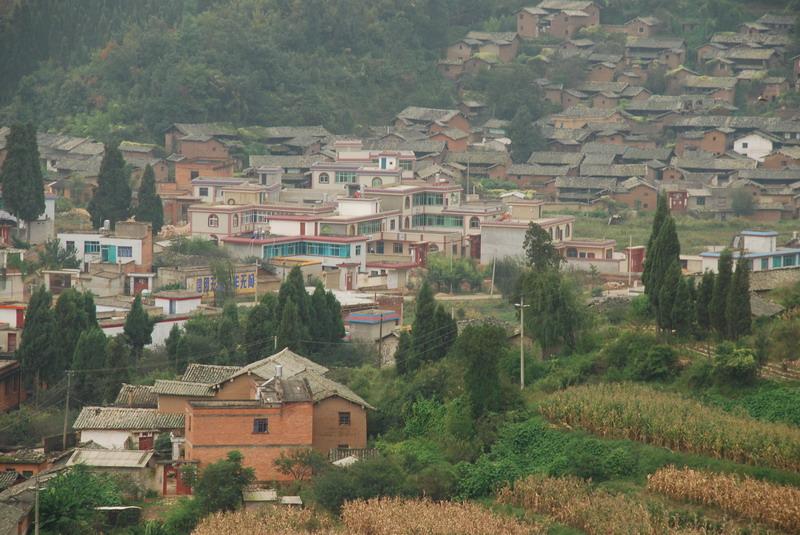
(129, 245)
(760, 249)
(558, 18)
(11, 391)
(425, 118)
(755, 145)
(668, 51)
(636, 194)
(787, 156)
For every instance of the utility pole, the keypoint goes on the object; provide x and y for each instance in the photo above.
(66, 413)
(494, 265)
(521, 305)
(36, 506)
(630, 250)
(275, 343)
(380, 341)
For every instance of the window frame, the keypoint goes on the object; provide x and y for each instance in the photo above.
(124, 251)
(257, 426)
(213, 221)
(345, 418)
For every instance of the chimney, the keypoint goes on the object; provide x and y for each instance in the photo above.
(278, 370)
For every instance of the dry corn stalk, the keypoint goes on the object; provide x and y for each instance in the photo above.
(268, 521)
(638, 412)
(775, 505)
(395, 516)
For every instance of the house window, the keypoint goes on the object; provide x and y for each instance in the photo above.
(194, 174)
(344, 418)
(203, 192)
(397, 247)
(788, 260)
(474, 222)
(377, 182)
(125, 251)
(235, 220)
(776, 262)
(213, 221)
(701, 201)
(324, 178)
(764, 264)
(260, 425)
(572, 252)
(744, 144)
(91, 247)
(379, 247)
(391, 224)
(347, 177)
(69, 245)
(358, 250)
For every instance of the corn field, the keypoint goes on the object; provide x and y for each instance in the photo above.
(573, 502)
(775, 505)
(640, 413)
(395, 516)
(268, 521)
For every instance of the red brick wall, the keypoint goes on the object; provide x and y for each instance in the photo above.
(183, 172)
(645, 196)
(715, 142)
(11, 393)
(779, 161)
(328, 434)
(527, 25)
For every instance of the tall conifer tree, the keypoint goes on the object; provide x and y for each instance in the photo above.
(719, 298)
(149, 207)
(705, 292)
(112, 200)
(21, 175)
(738, 315)
(666, 251)
(668, 295)
(662, 212)
(38, 348)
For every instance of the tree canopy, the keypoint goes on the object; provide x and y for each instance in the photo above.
(112, 199)
(21, 174)
(149, 207)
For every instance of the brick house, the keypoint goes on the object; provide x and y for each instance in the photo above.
(715, 141)
(782, 158)
(637, 194)
(642, 26)
(11, 392)
(528, 22)
(455, 140)
(602, 72)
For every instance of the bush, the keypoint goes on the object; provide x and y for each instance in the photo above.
(183, 516)
(657, 363)
(363, 480)
(734, 366)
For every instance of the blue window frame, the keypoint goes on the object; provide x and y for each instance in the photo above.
(776, 262)
(125, 251)
(91, 247)
(764, 264)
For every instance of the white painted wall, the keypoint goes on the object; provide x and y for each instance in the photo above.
(760, 244)
(114, 440)
(753, 146)
(80, 239)
(182, 306)
(356, 207)
(9, 315)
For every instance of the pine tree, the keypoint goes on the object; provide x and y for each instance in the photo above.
(738, 315)
(138, 327)
(662, 212)
(719, 297)
(521, 133)
(88, 360)
(291, 332)
(683, 312)
(667, 296)
(705, 292)
(21, 175)
(38, 348)
(403, 356)
(118, 365)
(112, 200)
(149, 207)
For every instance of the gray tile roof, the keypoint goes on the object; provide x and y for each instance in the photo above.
(485, 157)
(555, 158)
(417, 114)
(287, 162)
(8, 478)
(136, 396)
(588, 183)
(710, 82)
(614, 170)
(324, 388)
(716, 164)
(292, 365)
(655, 43)
(206, 129)
(208, 373)
(182, 388)
(637, 154)
(111, 458)
(599, 87)
(123, 419)
(537, 170)
(783, 175)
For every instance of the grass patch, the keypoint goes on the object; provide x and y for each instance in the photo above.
(495, 308)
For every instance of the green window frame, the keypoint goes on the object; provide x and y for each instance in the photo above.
(369, 227)
(346, 177)
(764, 264)
(91, 247)
(777, 262)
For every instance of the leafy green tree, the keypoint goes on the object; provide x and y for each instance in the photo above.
(112, 199)
(705, 292)
(39, 346)
(224, 288)
(539, 250)
(432, 330)
(738, 315)
(446, 328)
(301, 463)
(68, 501)
(661, 214)
(719, 297)
(199, 343)
(654, 363)
(556, 315)
(138, 327)
(220, 485)
(294, 288)
(149, 207)
(292, 332)
(21, 175)
(88, 361)
(118, 365)
(53, 256)
(734, 366)
(363, 480)
(260, 329)
(525, 136)
(480, 348)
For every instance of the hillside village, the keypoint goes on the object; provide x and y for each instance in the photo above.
(444, 307)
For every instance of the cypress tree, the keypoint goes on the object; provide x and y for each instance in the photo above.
(403, 357)
(480, 348)
(149, 207)
(112, 200)
(259, 331)
(90, 309)
(118, 365)
(294, 288)
(291, 331)
(335, 315)
(321, 319)
(666, 251)
(228, 335)
(705, 292)
(662, 212)
(423, 330)
(138, 327)
(21, 174)
(72, 319)
(683, 313)
(171, 344)
(89, 358)
(668, 295)
(719, 297)
(737, 308)
(38, 348)
(446, 330)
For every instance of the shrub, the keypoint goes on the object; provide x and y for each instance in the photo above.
(363, 480)
(775, 505)
(657, 363)
(734, 366)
